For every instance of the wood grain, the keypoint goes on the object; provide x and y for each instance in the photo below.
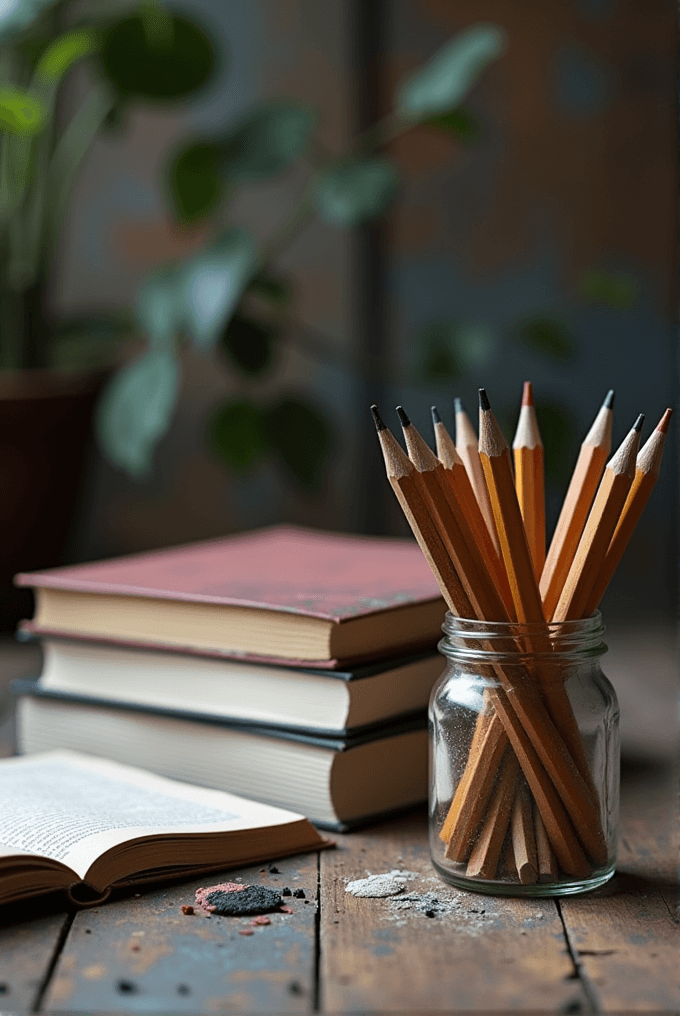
(143, 954)
(488, 954)
(27, 946)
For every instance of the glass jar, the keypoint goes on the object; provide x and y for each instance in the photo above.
(524, 758)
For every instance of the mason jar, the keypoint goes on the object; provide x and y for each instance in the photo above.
(524, 758)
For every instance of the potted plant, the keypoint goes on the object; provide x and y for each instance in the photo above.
(51, 371)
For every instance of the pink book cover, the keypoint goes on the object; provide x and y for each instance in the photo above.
(335, 576)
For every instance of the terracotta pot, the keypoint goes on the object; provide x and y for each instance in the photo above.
(45, 433)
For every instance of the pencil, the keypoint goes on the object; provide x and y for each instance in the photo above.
(647, 468)
(547, 865)
(487, 850)
(582, 488)
(462, 490)
(527, 725)
(400, 474)
(496, 463)
(527, 450)
(523, 836)
(467, 448)
(599, 528)
(452, 526)
(495, 456)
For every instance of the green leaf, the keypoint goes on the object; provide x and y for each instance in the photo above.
(439, 359)
(164, 66)
(607, 290)
(450, 348)
(236, 435)
(548, 336)
(64, 52)
(558, 436)
(20, 112)
(276, 290)
(195, 184)
(268, 141)
(135, 410)
(301, 438)
(348, 193)
(249, 344)
(441, 85)
(159, 310)
(460, 122)
(212, 283)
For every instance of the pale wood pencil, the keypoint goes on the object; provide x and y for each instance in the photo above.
(486, 853)
(582, 488)
(528, 456)
(523, 836)
(463, 492)
(647, 466)
(495, 456)
(467, 448)
(599, 528)
(547, 863)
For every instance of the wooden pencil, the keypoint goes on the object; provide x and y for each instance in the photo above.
(582, 488)
(467, 448)
(400, 474)
(486, 853)
(647, 468)
(525, 721)
(523, 836)
(599, 528)
(547, 864)
(462, 490)
(494, 454)
(456, 534)
(528, 455)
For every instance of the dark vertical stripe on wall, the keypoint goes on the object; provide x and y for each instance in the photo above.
(369, 281)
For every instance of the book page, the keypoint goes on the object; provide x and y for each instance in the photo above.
(71, 808)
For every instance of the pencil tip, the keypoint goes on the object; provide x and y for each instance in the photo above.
(665, 421)
(638, 423)
(609, 401)
(458, 406)
(436, 418)
(405, 422)
(528, 394)
(484, 403)
(377, 419)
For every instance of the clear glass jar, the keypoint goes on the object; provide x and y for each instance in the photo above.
(524, 758)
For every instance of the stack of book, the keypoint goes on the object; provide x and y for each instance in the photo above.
(286, 665)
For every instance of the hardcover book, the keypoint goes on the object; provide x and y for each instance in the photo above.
(327, 701)
(336, 782)
(283, 593)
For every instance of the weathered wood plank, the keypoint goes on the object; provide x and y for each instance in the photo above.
(626, 936)
(143, 954)
(485, 953)
(29, 938)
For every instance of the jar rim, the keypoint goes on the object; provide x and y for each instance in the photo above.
(579, 638)
(454, 624)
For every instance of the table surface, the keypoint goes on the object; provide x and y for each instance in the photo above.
(614, 950)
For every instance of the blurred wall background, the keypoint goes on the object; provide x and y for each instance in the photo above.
(541, 247)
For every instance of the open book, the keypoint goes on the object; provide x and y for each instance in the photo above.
(85, 825)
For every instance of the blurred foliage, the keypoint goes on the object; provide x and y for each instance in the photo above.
(559, 440)
(226, 297)
(548, 336)
(460, 122)
(605, 289)
(449, 349)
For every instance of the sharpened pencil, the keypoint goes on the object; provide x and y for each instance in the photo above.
(599, 528)
(583, 485)
(468, 449)
(527, 449)
(647, 468)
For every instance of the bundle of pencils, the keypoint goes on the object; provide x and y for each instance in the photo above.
(477, 511)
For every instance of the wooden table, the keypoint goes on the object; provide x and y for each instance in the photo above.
(615, 950)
